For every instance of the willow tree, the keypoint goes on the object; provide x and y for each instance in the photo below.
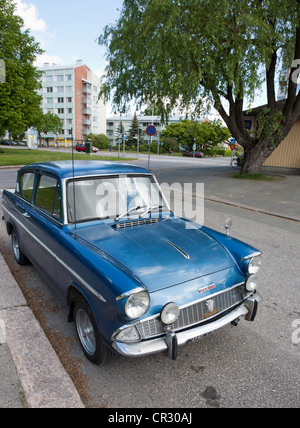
(178, 53)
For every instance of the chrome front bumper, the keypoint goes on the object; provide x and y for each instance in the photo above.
(172, 340)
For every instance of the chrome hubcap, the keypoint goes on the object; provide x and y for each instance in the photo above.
(15, 245)
(85, 332)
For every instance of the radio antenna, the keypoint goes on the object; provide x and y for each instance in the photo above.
(74, 193)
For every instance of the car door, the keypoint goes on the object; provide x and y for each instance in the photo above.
(45, 222)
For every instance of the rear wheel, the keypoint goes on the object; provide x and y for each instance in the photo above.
(20, 257)
(88, 335)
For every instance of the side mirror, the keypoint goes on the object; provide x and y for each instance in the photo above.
(227, 225)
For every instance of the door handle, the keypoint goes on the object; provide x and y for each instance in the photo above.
(26, 215)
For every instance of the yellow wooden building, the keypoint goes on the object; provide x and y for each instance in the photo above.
(287, 154)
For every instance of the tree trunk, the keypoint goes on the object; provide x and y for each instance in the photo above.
(255, 156)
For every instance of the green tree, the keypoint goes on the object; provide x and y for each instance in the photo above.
(206, 134)
(47, 122)
(133, 131)
(180, 52)
(100, 141)
(19, 100)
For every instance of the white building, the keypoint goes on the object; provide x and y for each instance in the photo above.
(113, 124)
(72, 92)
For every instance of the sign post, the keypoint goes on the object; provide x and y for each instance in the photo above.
(151, 130)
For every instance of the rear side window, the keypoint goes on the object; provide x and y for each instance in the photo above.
(47, 196)
(26, 184)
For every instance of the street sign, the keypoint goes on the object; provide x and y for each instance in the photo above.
(151, 130)
(232, 146)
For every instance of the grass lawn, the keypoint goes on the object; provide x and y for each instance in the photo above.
(10, 157)
(258, 176)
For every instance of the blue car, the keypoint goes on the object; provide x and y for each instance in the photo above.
(137, 279)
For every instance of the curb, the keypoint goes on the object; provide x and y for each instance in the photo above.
(44, 380)
(249, 208)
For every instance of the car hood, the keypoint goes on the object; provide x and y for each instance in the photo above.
(166, 253)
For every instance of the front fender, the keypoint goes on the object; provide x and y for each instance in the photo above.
(238, 250)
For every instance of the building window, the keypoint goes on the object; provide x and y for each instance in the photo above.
(60, 78)
(50, 89)
(61, 111)
(69, 77)
(69, 121)
(60, 89)
(60, 100)
(49, 79)
(69, 99)
(49, 101)
(70, 110)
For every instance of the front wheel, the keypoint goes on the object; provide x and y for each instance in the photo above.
(20, 257)
(88, 335)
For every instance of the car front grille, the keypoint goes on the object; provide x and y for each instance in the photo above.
(195, 313)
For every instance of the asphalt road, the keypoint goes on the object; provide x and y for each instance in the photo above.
(252, 365)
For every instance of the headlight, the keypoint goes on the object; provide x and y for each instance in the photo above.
(254, 265)
(137, 305)
(252, 282)
(170, 313)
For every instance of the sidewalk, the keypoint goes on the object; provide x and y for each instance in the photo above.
(280, 198)
(31, 373)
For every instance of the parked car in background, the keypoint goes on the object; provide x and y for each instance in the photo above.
(82, 148)
(136, 278)
(8, 143)
(193, 154)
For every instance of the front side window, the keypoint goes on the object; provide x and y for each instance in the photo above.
(47, 196)
(111, 197)
(26, 185)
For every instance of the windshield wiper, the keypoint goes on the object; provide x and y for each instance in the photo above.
(129, 211)
(150, 209)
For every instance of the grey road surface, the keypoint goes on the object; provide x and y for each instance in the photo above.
(251, 365)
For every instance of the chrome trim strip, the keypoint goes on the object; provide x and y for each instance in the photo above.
(180, 251)
(130, 292)
(257, 253)
(58, 259)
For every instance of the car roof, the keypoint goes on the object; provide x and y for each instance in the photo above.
(83, 168)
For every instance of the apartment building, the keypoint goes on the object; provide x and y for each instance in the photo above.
(72, 92)
(114, 126)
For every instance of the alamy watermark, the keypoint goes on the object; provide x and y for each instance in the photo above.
(2, 332)
(2, 71)
(296, 73)
(296, 332)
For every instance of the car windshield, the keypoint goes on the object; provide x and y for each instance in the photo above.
(113, 197)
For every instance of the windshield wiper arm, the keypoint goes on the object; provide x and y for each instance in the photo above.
(150, 209)
(129, 211)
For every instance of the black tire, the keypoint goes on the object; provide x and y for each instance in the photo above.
(88, 335)
(20, 257)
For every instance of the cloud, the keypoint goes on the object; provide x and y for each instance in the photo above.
(30, 15)
(46, 58)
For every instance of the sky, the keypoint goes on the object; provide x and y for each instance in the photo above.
(68, 30)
